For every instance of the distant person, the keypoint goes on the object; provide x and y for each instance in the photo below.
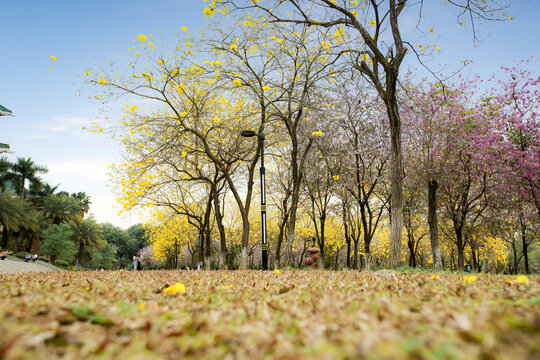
(27, 258)
(4, 254)
(34, 258)
(136, 261)
(78, 267)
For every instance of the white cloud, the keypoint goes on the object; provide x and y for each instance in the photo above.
(80, 168)
(103, 209)
(64, 123)
(37, 137)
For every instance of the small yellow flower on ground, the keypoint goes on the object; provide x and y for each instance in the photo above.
(225, 287)
(434, 276)
(522, 279)
(176, 288)
(277, 272)
(469, 279)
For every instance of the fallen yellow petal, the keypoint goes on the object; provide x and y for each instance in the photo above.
(176, 288)
(277, 272)
(225, 287)
(522, 279)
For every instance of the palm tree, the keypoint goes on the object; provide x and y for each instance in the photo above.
(84, 202)
(15, 215)
(87, 235)
(26, 169)
(5, 175)
(60, 208)
(11, 211)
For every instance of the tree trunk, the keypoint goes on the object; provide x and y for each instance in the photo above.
(367, 260)
(460, 249)
(412, 257)
(245, 242)
(356, 255)
(474, 258)
(222, 235)
(280, 242)
(432, 221)
(291, 227)
(525, 246)
(514, 253)
(396, 216)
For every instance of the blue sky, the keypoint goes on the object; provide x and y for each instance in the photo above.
(53, 106)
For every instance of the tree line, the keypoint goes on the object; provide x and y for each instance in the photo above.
(371, 164)
(37, 218)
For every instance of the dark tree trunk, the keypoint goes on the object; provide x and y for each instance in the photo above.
(461, 249)
(514, 253)
(222, 235)
(525, 251)
(396, 217)
(474, 258)
(280, 241)
(432, 221)
(412, 257)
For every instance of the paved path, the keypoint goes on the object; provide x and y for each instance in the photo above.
(12, 265)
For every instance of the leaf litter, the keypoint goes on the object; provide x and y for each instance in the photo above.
(256, 315)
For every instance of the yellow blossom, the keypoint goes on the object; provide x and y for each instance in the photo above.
(266, 88)
(335, 177)
(277, 272)
(142, 38)
(176, 288)
(522, 279)
(142, 305)
(208, 11)
(53, 58)
(233, 47)
(102, 82)
(469, 279)
(133, 108)
(237, 82)
(317, 133)
(433, 276)
(184, 154)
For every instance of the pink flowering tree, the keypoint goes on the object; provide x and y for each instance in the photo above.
(453, 139)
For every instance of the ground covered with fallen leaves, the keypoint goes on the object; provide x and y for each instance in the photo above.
(262, 315)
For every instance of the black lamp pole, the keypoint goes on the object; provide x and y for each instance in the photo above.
(250, 133)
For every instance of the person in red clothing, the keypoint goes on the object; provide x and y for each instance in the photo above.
(4, 254)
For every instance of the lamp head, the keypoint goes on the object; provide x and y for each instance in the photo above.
(248, 133)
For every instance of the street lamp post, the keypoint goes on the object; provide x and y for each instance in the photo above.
(250, 133)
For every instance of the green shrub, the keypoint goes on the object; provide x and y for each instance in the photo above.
(21, 255)
(61, 263)
(43, 258)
